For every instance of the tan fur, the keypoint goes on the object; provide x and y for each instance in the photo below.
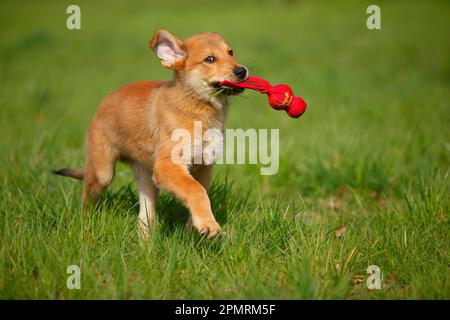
(134, 124)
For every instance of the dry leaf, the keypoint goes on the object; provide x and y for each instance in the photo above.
(333, 204)
(358, 279)
(340, 231)
(229, 290)
(344, 190)
(393, 279)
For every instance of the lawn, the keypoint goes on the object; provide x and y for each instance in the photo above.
(363, 177)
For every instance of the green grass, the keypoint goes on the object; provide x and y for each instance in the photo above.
(371, 154)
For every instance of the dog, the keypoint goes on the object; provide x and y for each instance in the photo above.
(134, 125)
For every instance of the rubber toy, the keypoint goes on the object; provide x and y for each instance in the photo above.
(280, 96)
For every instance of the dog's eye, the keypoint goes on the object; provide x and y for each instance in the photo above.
(210, 59)
(230, 52)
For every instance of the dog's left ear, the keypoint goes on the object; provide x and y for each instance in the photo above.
(169, 49)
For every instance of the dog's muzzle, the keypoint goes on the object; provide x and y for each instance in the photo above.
(226, 90)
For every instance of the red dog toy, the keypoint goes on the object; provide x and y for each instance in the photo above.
(281, 96)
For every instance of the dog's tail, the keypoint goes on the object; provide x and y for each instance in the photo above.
(73, 173)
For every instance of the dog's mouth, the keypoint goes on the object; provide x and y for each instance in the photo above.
(226, 90)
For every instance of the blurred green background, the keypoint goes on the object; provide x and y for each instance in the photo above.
(374, 139)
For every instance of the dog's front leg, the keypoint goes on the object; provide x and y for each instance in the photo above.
(203, 174)
(176, 179)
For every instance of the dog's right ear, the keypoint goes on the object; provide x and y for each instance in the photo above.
(169, 49)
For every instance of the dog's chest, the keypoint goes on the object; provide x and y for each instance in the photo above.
(207, 144)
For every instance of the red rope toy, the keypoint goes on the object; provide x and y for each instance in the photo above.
(281, 96)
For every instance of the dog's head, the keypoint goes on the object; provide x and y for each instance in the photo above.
(201, 62)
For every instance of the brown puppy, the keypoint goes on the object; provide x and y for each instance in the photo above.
(134, 124)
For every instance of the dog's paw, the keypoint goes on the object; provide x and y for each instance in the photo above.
(209, 228)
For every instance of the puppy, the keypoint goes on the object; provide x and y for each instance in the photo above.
(134, 125)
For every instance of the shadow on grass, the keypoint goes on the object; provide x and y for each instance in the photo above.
(171, 214)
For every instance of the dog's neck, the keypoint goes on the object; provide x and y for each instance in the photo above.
(201, 90)
(221, 101)
(198, 105)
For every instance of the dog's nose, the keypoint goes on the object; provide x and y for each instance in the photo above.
(240, 72)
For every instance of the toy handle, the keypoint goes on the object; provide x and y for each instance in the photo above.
(254, 83)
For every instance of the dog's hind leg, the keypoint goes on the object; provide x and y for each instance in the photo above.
(148, 195)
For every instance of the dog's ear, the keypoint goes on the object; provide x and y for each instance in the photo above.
(169, 49)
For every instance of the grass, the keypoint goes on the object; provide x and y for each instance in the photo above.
(364, 174)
